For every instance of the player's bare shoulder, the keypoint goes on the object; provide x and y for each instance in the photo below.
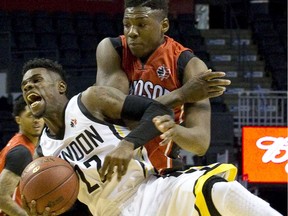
(194, 67)
(103, 101)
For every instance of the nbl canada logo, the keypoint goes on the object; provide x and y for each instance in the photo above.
(163, 72)
(73, 122)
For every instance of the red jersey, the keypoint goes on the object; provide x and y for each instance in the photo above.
(18, 139)
(158, 76)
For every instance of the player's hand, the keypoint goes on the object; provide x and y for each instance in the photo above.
(31, 208)
(206, 85)
(166, 125)
(119, 157)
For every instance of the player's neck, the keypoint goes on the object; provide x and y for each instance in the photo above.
(32, 138)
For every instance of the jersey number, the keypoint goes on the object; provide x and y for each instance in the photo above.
(87, 164)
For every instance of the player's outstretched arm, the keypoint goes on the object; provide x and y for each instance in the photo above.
(110, 103)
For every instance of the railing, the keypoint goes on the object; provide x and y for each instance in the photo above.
(261, 108)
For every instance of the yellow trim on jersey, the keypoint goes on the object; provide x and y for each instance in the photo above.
(122, 131)
(230, 172)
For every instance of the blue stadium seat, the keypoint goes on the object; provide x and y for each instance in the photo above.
(26, 41)
(47, 41)
(63, 22)
(104, 25)
(174, 30)
(43, 22)
(84, 24)
(70, 58)
(68, 42)
(87, 42)
(88, 59)
(5, 21)
(21, 21)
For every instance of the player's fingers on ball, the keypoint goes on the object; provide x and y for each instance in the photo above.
(24, 203)
(32, 208)
(47, 212)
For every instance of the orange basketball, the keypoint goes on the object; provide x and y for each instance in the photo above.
(51, 182)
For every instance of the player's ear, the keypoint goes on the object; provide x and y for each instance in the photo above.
(165, 25)
(18, 120)
(62, 86)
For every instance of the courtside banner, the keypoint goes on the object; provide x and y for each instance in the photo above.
(265, 154)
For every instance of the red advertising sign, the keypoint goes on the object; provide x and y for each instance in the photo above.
(265, 154)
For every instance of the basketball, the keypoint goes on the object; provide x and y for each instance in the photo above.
(51, 182)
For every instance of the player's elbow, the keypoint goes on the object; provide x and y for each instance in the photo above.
(202, 151)
(198, 145)
(202, 146)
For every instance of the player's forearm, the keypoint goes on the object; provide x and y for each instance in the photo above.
(10, 207)
(145, 131)
(191, 139)
(173, 99)
(8, 183)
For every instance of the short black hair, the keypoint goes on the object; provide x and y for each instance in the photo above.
(153, 4)
(19, 106)
(45, 63)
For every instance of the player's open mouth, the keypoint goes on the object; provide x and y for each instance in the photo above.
(33, 99)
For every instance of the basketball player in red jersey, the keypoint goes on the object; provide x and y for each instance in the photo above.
(15, 156)
(144, 61)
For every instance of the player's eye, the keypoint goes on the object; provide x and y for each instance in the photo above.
(141, 25)
(37, 79)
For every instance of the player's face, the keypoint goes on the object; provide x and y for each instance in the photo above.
(40, 90)
(144, 29)
(29, 124)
